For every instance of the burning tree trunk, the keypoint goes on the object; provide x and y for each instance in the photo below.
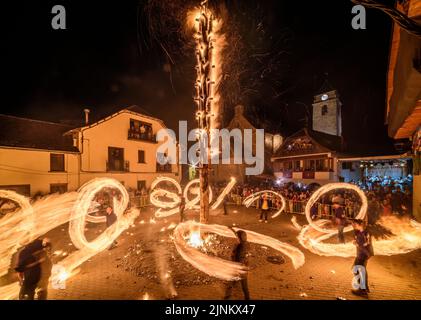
(204, 96)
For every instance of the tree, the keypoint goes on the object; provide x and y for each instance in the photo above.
(255, 58)
(404, 21)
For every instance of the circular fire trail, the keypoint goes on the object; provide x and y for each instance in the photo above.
(13, 238)
(405, 233)
(193, 204)
(255, 196)
(19, 228)
(329, 187)
(187, 239)
(174, 199)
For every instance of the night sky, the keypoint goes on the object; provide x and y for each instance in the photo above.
(96, 63)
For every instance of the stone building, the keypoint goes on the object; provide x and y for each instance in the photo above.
(222, 172)
(327, 116)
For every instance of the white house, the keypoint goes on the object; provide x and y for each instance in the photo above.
(44, 157)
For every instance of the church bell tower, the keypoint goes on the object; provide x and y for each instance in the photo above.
(327, 116)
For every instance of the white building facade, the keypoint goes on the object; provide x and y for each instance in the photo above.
(47, 158)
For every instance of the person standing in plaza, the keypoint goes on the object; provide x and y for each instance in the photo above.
(46, 269)
(340, 221)
(264, 208)
(181, 208)
(386, 208)
(239, 254)
(363, 244)
(31, 261)
(111, 218)
(225, 204)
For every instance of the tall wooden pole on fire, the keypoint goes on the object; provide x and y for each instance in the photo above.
(204, 95)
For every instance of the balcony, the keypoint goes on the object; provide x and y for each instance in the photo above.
(118, 166)
(308, 174)
(141, 136)
(163, 167)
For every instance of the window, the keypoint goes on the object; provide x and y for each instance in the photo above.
(288, 165)
(116, 160)
(58, 188)
(140, 130)
(346, 165)
(310, 165)
(141, 156)
(141, 185)
(324, 110)
(56, 162)
(322, 165)
(23, 189)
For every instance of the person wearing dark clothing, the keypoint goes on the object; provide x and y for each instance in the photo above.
(111, 218)
(182, 207)
(313, 212)
(239, 254)
(31, 261)
(362, 241)
(225, 204)
(340, 221)
(46, 268)
(373, 210)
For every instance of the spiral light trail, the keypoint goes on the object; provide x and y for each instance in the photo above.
(256, 196)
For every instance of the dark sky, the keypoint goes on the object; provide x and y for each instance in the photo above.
(54, 74)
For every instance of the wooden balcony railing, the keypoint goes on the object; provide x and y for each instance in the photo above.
(137, 135)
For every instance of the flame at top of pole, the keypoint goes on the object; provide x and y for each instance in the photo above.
(209, 44)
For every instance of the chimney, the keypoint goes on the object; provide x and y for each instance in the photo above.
(86, 111)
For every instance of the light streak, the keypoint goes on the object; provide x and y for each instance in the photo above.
(329, 187)
(406, 233)
(221, 268)
(193, 204)
(174, 200)
(256, 196)
(224, 193)
(295, 223)
(21, 227)
(15, 228)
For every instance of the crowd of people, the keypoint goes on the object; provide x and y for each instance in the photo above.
(385, 195)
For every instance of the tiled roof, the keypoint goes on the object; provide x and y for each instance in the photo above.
(34, 134)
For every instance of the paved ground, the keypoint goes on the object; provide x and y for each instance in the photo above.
(131, 271)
